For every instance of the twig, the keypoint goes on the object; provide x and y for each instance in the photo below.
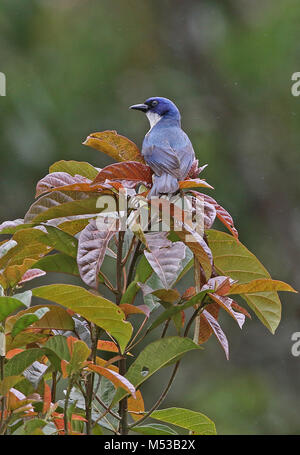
(161, 398)
(165, 328)
(107, 411)
(133, 261)
(135, 336)
(70, 385)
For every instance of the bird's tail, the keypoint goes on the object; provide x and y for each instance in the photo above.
(164, 183)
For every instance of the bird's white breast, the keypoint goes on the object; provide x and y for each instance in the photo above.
(153, 119)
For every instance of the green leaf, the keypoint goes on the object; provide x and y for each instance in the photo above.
(194, 421)
(58, 204)
(174, 309)
(79, 355)
(154, 357)
(154, 429)
(75, 168)
(55, 318)
(93, 307)
(5, 247)
(24, 297)
(232, 258)
(58, 263)
(59, 345)
(34, 426)
(23, 360)
(60, 241)
(28, 319)
(9, 382)
(8, 305)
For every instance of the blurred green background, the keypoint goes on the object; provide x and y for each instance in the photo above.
(74, 66)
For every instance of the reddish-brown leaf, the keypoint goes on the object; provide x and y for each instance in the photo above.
(132, 309)
(225, 303)
(205, 328)
(47, 398)
(133, 171)
(222, 214)
(195, 170)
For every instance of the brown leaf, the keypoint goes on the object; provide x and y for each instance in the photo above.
(132, 171)
(118, 147)
(222, 214)
(132, 309)
(225, 303)
(240, 309)
(205, 329)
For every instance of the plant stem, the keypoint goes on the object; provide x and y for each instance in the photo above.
(133, 261)
(119, 268)
(123, 407)
(3, 400)
(107, 411)
(90, 380)
(200, 280)
(53, 388)
(70, 385)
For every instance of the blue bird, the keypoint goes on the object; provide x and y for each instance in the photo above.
(166, 147)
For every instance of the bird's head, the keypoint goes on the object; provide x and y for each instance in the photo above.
(156, 108)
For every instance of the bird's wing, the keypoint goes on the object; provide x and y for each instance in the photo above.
(163, 159)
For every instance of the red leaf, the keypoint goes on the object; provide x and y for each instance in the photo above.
(240, 309)
(47, 398)
(225, 302)
(132, 171)
(63, 365)
(206, 331)
(195, 170)
(70, 341)
(222, 214)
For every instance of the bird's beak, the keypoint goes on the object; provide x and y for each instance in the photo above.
(140, 107)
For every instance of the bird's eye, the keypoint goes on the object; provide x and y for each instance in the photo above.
(154, 103)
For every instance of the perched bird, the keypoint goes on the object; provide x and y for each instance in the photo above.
(166, 147)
